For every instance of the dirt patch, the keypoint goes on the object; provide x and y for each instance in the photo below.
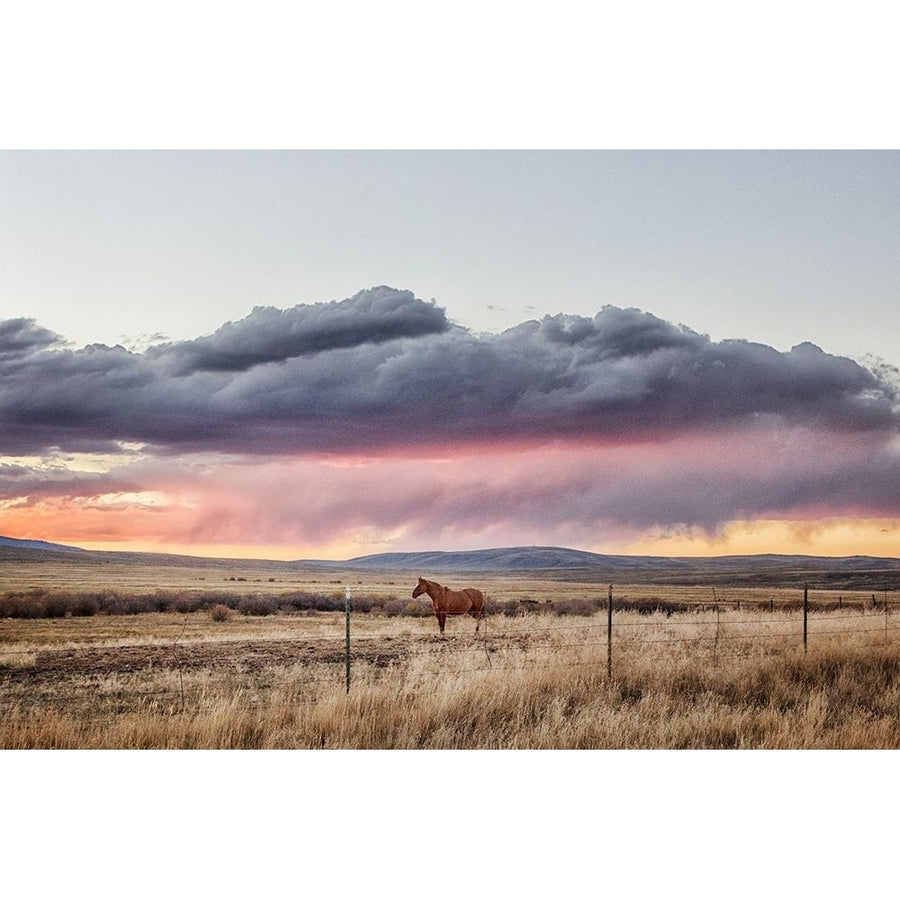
(248, 656)
(244, 657)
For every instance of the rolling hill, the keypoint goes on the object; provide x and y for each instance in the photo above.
(507, 559)
(19, 544)
(558, 563)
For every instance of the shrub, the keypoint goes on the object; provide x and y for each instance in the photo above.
(425, 608)
(220, 613)
(128, 606)
(330, 604)
(362, 604)
(302, 600)
(577, 607)
(24, 608)
(55, 606)
(163, 601)
(188, 604)
(85, 606)
(257, 606)
(208, 599)
(652, 605)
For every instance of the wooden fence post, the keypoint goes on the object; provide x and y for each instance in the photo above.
(347, 642)
(805, 612)
(609, 634)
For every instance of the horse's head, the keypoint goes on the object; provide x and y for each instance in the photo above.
(420, 588)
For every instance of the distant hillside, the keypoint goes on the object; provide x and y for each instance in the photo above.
(18, 544)
(518, 559)
(557, 563)
(508, 559)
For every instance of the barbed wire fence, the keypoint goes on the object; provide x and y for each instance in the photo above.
(618, 637)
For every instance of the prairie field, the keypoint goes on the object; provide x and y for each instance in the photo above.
(689, 668)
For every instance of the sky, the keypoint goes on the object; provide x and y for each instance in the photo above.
(323, 354)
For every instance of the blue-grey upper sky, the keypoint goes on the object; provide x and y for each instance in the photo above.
(777, 247)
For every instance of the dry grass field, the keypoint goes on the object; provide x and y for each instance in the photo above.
(685, 674)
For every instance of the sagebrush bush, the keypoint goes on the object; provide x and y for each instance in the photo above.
(208, 599)
(577, 607)
(188, 604)
(85, 606)
(394, 607)
(257, 606)
(56, 606)
(220, 613)
(163, 601)
(24, 608)
(128, 606)
(296, 600)
(418, 608)
(651, 605)
(332, 603)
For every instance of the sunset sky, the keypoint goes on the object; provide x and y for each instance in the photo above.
(320, 354)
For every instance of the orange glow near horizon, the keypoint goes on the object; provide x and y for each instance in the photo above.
(832, 537)
(209, 551)
(603, 498)
(826, 537)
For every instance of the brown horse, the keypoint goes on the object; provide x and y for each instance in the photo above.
(454, 603)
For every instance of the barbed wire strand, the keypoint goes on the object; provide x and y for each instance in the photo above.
(669, 621)
(476, 641)
(35, 702)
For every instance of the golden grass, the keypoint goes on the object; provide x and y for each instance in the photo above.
(680, 681)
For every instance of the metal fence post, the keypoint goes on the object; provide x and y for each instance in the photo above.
(716, 639)
(609, 634)
(718, 628)
(805, 613)
(347, 642)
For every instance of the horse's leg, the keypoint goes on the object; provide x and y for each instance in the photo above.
(441, 617)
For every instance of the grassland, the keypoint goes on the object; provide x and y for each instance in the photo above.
(685, 674)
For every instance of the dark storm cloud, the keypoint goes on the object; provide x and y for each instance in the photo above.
(272, 335)
(678, 493)
(384, 370)
(19, 337)
(32, 483)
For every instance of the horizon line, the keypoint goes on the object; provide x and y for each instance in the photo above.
(325, 560)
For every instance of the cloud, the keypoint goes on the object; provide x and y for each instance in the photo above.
(384, 372)
(21, 337)
(270, 335)
(561, 493)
